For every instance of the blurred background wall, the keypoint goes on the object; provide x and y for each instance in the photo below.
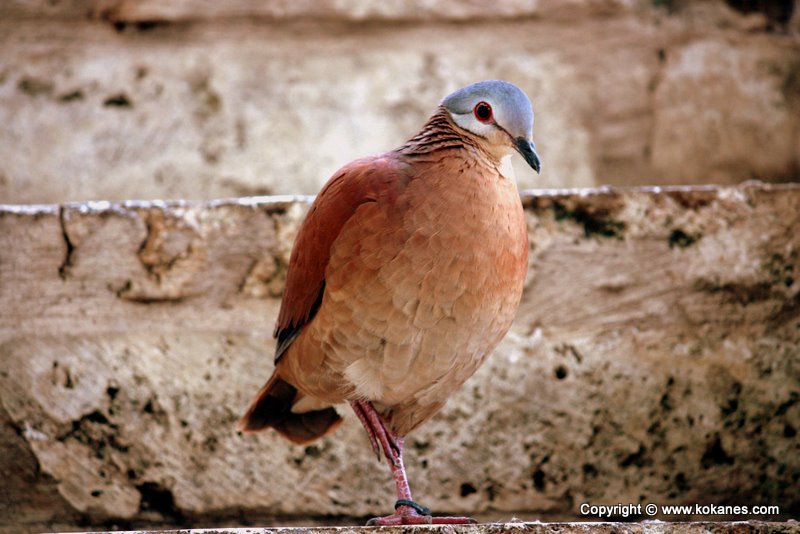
(196, 99)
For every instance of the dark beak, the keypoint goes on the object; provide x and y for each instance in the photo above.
(528, 151)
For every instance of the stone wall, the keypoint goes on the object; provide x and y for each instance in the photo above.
(119, 99)
(654, 359)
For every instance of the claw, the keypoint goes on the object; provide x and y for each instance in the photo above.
(362, 416)
(378, 433)
(396, 448)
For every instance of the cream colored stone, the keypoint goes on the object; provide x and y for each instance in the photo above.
(223, 104)
(721, 113)
(654, 357)
(351, 10)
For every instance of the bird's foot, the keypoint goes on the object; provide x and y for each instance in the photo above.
(410, 513)
(417, 519)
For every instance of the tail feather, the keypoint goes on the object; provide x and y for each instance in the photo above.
(272, 408)
(302, 428)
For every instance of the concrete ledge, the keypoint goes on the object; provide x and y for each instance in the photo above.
(647, 527)
(655, 358)
(150, 11)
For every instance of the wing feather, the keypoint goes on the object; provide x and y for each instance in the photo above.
(363, 180)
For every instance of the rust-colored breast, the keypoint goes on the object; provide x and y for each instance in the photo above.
(422, 281)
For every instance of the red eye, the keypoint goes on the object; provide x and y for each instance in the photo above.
(483, 112)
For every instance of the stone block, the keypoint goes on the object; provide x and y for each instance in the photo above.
(116, 99)
(654, 359)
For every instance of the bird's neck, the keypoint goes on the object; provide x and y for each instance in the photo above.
(439, 134)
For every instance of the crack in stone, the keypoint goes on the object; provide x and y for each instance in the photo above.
(66, 264)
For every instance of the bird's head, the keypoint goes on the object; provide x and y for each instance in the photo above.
(499, 113)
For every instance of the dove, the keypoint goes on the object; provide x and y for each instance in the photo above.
(404, 276)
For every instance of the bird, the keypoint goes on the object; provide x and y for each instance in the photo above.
(405, 274)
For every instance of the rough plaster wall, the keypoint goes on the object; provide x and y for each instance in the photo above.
(113, 99)
(654, 358)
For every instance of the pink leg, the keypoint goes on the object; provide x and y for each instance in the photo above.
(407, 512)
(378, 433)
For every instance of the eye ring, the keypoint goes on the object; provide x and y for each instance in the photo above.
(483, 112)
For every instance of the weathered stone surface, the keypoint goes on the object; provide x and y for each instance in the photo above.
(742, 527)
(194, 100)
(700, 89)
(655, 358)
(349, 10)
